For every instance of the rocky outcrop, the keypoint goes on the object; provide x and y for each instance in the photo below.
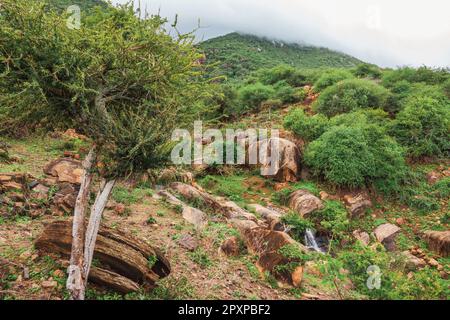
(288, 166)
(412, 263)
(230, 247)
(65, 170)
(272, 217)
(357, 204)
(438, 241)
(386, 234)
(304, 202)
(362, 236)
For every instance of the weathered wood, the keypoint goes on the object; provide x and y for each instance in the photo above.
(94, 224)
(75, 280)
(115, 250)
(112, 280)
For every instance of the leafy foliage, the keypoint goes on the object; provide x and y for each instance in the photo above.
(331, 77)
(367, 70)
(350, 95)
(121, 80)
(308, 127)
(423, 127)
(357, 156)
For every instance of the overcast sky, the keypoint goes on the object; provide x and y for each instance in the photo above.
(386, 32)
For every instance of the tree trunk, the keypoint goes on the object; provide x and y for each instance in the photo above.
(75, 280)
(94, 224)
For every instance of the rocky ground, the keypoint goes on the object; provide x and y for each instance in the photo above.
(212, 253)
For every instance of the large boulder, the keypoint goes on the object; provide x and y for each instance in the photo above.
(412, 262)
(438, 241)
(386, 234)
(288, 166)
(65, 170)
(304, 202)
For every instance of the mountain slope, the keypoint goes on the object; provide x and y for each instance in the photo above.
(238, 55)
(83, 4)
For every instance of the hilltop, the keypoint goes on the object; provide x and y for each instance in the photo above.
(239, 54)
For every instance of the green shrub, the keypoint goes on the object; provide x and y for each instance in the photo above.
(423, 127)
(349, 95)
(290, 75)
(333, 218)
(357, 156)
(423, 74)
(272, 104)
(330, 78)
(282, 197)
(446, 87)
(297, 225)
(366, 70)
(284, 92)
(308, 127)
(252, 95)
(442, 188)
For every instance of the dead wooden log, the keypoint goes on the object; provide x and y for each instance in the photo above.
(116, 251)
(94, 224)
(439, 242)
(112, 280)
(75, 280)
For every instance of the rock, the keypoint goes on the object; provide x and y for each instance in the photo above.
(362, 236)
(358, 204)
(195, 216)
(65, 170)
(412, 262)
(433, 177)
(58, 273)
(433, 263)
(49, 284)
(41, 189)
(272, 217)
(280, 186)
(72, 134)
(446, 173)
(230, 247)
(120, 208)
(438, 241)
(324, 195)
(400, 221)
(11, 186)
(386, 234)
(287, 168)
(188, 242)
(304, 202)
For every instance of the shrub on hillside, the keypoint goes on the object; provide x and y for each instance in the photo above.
(357, 156)
(251, 96)
(292, 76)
(367, 70)
(308, 127)
(446, 88)
(423, 127)
(330, 78)
(288, 94)
(349, 95)
(423, 74)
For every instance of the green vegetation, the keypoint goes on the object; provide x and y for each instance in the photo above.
(238, 55)
(350, 95)
(331, 77)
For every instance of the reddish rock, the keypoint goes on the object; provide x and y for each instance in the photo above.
(120, 209)
(65, 170)
(357, 205)
(188, 242)
(433, 177)
(230, 247)
(362, 236)
(386, 234)
(304, 202)
(439, 242)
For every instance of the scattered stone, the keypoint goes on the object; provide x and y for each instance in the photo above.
(280, 186)
(439, 242)
(230, 247)
(412, 262)
(40, 188)
(433, 177)
(58, 273)
(386, 234)
(195, 216)
(188, 242)
(65, 170)
(362, 236)
(49, 284)
(357, 205)
(304, 202)
(400, 221)
(120, 208)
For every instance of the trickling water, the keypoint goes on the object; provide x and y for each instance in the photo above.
(310, 241)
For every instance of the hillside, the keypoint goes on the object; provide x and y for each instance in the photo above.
(83, 4)
(239, 54)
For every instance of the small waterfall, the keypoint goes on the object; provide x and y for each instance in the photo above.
(310, 241)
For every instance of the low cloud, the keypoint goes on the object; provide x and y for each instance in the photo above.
(388, 33)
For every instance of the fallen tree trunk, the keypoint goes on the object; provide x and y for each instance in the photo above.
(116, 252)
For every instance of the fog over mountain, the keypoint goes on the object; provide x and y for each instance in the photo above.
(386, 32)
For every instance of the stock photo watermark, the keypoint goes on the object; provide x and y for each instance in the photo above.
(74, 20)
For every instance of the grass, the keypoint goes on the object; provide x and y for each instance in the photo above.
(127, 197)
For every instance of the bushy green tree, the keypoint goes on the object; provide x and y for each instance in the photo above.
(119, 79)
(367, 70)
(251, 96)
(308, 127)
(350, 95)
(357, 156)
(294, 77)
(331, 77)
(423, 74)
(423, 127)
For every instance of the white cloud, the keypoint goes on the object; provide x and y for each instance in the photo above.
(385, 32)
